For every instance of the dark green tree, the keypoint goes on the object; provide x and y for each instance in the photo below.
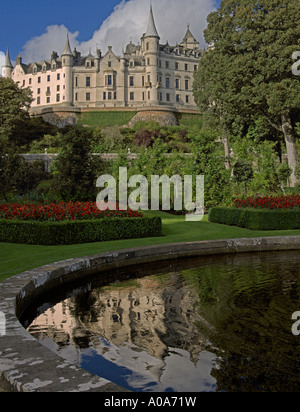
(248, 71)
(14, 107)
(76, 170)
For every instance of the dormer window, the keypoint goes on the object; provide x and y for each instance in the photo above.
(44, 68)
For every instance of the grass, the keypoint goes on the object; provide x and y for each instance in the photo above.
(106, 119)
(19, 258)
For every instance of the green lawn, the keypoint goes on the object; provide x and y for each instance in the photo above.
(106, 119)
(18, 258)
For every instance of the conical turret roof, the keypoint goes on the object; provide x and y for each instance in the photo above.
(151, 30)
(7, 62)
(67, 51)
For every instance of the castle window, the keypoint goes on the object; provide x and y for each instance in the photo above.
(195, 67)
(76, 97)
(131, 95)
(186, 67)
(167, 82)
(177, 83)
(109, 64)
(38, 100)
(115, 95)
(104, 95)
(39, 80)
(186, 85)
(147, 46)
(34, 70)
(88, 82)
(38, 91)
(48, 78)
(23, 83)
(58, 88)
(58, 98)
(167, 64)
(76, 81)
(143, 81)
(48, 100)
(168, 97)
(176, 66)
(187, 99)
(58, 76)
(109, 80)
(30, 81)
(177, 98)
(148, 61)
(131, 81)
(53, 66)
(88, 97)
(109, 95)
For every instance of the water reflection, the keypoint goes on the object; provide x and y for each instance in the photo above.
(220, 324)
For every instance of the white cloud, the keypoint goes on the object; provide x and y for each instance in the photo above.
(127, 22)
(54, 39)
(2, 61)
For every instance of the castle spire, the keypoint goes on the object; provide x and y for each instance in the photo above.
(151, 30)
(67, 51)
(7, 62)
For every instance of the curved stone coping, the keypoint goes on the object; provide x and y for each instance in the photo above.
(26, 365)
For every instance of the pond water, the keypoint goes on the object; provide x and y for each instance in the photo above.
(206, 324)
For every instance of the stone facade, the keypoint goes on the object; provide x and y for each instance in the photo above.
(146, 75)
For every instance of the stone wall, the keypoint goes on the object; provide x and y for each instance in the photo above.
(164, 118)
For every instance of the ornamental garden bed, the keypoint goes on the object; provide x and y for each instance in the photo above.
(72, 223)
(261, 213)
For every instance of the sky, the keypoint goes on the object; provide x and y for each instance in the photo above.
(36, 28)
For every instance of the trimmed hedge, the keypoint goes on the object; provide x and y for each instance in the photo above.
(74, 232)
(256, 219)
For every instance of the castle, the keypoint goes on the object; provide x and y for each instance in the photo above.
(147, 75)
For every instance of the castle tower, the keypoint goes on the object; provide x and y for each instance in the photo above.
(7, 68)
(150, 44)
(67, 64)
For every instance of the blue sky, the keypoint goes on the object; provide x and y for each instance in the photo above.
(35, 28)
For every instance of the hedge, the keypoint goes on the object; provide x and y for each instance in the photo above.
(256, 219)
(74, 232)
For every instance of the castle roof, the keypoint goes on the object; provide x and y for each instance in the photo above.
(151, 30)
(7, 62)
(67, 51)
(189, 37)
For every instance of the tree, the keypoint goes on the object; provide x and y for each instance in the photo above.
(14, 107)
(76, 170)
(248, 72)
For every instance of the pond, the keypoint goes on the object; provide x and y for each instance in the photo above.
(211, 324)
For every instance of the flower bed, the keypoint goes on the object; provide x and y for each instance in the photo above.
(261, 213)
(72, 223)
(270, 202)
(57, 212)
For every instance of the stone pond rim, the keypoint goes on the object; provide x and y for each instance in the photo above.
(27, 366)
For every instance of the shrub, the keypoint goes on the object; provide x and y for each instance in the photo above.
(75, 232)
(256, 219)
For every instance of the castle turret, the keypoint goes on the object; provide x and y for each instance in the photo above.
(150, 44)
(67, 64)
(7, 68)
